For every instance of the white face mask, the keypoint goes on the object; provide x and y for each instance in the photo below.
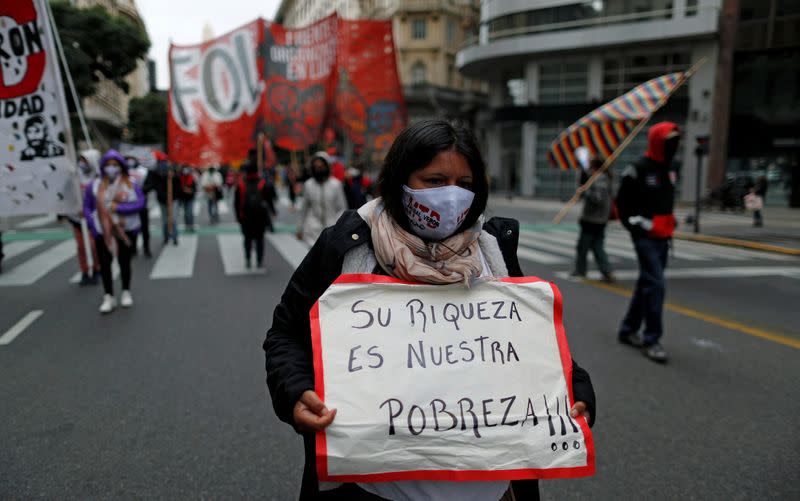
(111, 171)
(436, 213)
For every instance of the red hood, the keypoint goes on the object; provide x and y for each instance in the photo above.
(656, 137)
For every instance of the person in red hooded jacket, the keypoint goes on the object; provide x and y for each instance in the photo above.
(645, 203)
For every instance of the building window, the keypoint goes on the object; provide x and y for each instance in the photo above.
(419, 29)
(691, 8)
(451, 32)
(624, 72)
(419, 74)
(563, 82)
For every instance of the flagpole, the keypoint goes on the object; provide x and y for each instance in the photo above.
(70, 83)
(610, 160)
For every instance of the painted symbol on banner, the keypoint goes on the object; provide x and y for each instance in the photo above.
(39, 143)
(22, 54)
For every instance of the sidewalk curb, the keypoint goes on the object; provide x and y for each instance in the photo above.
(735, 242)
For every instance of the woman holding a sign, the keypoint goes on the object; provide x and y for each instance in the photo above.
(427, 228)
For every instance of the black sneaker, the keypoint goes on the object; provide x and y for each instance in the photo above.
(577, 274)
(631, 339)
(95, 278)
(148, 254)
(85, 280)
(655, 352)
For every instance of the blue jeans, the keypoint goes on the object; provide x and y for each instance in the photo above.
(164, 230)
(188, 212)
(647, 303)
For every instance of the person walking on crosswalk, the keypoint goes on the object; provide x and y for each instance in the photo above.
(88, 171)
(187, 193)
(111, 207)
(645, 202)
(597, 203)
(165, 183)
(139, 174)
(254, 202)
(323, 199)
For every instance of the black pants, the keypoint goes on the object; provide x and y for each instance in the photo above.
(124, 254)
(144, 217)
(254, 234)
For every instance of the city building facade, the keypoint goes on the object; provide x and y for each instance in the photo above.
(107, 110)
(549, 62)
(427, 37)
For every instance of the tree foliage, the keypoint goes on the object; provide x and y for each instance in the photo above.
(96, 44)
(147, 119)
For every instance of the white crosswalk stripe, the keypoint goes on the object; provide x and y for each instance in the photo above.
(38, 266)
(232, 254)
(37, 221)
(289, 247)
(76, 278)
(544, 247)
(176, 261)
(16, 248)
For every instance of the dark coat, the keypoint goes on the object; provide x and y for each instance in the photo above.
(290, 369)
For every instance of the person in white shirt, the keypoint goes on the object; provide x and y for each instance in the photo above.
(211, 183)
(323, 200)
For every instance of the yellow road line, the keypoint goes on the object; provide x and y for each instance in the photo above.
(735, 242)
(712, 319)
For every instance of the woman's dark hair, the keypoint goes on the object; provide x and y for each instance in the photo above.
(415, 148)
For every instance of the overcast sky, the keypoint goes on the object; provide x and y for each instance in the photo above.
(183, 21)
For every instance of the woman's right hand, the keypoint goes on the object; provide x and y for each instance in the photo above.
(310, 413)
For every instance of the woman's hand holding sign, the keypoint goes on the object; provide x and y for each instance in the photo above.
(310, 413)
(579, 409)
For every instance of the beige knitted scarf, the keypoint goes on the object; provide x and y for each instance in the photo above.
(406, 256)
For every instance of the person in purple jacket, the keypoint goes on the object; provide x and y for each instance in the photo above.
(111, 205)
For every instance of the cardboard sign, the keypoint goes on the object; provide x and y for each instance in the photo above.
(436, 382)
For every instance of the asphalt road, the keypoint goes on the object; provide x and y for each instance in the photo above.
(167, 400)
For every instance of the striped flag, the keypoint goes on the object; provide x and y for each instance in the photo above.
(602, 130)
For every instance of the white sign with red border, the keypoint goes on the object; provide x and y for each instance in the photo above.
(436, 382)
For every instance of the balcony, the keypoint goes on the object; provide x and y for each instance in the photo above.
(479, 58)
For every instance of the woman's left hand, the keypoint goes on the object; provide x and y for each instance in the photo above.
(579, 409)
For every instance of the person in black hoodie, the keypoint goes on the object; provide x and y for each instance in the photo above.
(645, 203)
(254, 202)
(159, 180)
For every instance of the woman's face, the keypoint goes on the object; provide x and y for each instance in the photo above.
(448, 168)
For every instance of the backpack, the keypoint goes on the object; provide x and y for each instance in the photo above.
(252, 202)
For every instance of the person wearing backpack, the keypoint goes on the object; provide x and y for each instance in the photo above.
(254, 209)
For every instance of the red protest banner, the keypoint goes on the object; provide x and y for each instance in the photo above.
(215, 98)
(287, 83)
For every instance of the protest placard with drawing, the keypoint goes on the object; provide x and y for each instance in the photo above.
(436, 382)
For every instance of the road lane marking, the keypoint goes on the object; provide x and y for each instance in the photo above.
(16, 248)
(35, 268)
(76, 278)
(176, 261)
(37, 221)
(19, 327)
(571, 240)
(722, 272)
(289, 247)
(231, 248)
(539, 257)
(708, 318)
